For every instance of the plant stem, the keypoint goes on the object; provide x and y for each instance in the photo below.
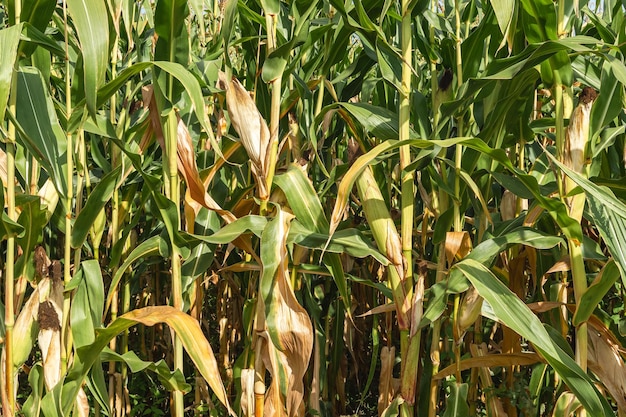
(409, 343)
(270, 19)
(171, 167)
(67, 259)
(9, 279)
(458, 220)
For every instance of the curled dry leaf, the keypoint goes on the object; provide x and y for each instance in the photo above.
(247, 392)
(250, 126)
(287, 332)
(605, 361)
(186, 155)
(458, 244)
(385, 384)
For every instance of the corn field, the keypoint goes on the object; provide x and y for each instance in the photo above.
(313, 208)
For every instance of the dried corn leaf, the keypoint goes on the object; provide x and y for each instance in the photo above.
(605, 361)
(186, 155)
(247, 392)
(385, 383)
(458, 244)
(283, 324)
(250, 126)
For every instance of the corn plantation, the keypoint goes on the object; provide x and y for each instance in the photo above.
(313, 208)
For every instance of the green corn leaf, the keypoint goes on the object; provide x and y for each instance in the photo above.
(595, 293)
(512, 312)
(96, 201)
(149, 247)
(39, 129)
(456, 403)
(170, 380)
(87, 16)
(9, 39)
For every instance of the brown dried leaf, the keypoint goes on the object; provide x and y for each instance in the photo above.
(385, 384)
(250, 126)
(605, 361)
(287, 351)
(247, 392)
(458, 244)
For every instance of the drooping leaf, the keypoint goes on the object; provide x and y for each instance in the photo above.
(186, 328)
(288, 339)
(96, 201)
(170, 380)
(512, 312)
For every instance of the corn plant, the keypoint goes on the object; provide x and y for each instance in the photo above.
(290, 208)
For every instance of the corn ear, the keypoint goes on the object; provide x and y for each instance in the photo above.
(387, 239)
(49, 318)
(577, 134)
(469, 310)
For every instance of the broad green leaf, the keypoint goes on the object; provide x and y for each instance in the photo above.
(311, 223)
(170, 380)
(350, 241)
(485, 254)
(39, 129)
(32, 406)
(608, 105)
(172, 44)
(456, 403)
(9, 39)
(206, 223)
(33, 219)
(87, 304)
(96, 201)
(88, 17)
(228, 233)
(595, 293)
(504, 10)
(303, 199)
(512, 312)
(186, 328)
(149, 247)
(8, 227)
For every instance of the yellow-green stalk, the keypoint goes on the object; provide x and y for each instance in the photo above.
(9, 280)
(409, 338)
(576, 139)
(69, 178)
(171, 174)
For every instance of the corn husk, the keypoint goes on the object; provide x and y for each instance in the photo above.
(469, 310)
(387, 239)
(577, 135)
(50, 317)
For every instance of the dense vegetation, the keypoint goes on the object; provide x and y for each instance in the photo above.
(360, 207)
